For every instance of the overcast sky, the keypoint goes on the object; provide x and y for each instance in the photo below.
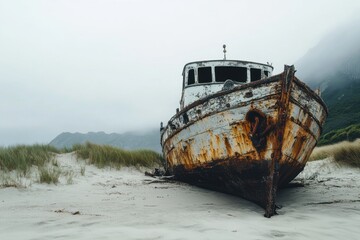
(115, 66)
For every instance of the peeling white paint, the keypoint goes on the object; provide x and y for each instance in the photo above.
(196, 91)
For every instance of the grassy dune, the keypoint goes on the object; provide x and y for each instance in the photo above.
(347, 153)
(19, 160)
(16, 163)
(103, 155)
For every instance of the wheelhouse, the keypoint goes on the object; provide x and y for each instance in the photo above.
(207, 77)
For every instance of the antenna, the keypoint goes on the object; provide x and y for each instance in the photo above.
(224, 46)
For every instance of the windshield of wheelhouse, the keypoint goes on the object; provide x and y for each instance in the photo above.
(237, 74)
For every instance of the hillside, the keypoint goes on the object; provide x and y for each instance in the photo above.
(349, 133)
(343, 101)
(334, 66)
(147, 140)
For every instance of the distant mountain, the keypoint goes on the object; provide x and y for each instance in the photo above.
(334, 59)
(148, 140)
(334, 67)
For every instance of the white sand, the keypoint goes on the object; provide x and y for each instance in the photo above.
(123, 205)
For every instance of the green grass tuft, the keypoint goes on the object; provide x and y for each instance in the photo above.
(82, 170)
(49, 175)
(348, 154)
(103, 155)
(21, 158)
(322, 152)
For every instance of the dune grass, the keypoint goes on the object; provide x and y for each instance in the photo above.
(104, 155)
(323, 152)
(21, 158)
(347, 153)
(49, 175)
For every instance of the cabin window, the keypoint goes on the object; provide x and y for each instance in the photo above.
(238, 74)
(255, 74)
(266, 73)
(191, 77)
(204, 75)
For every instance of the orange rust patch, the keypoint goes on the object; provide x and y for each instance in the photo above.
(297, 146)
(182, 154)
(217, 140)
(228, 146)
(204, 156)
(212, 150)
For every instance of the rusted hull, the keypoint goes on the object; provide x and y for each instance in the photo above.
(246, 179)
(246, 141)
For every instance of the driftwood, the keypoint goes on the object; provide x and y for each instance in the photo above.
(156, 173)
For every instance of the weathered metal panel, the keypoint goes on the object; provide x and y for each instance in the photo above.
(217, 136)
(197, 91)
(308, 102)
(302, 130)
(229, 99)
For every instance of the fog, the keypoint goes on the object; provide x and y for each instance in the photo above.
(337, 52)
(115, 66)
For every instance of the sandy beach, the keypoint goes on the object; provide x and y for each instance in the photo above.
(126, 204)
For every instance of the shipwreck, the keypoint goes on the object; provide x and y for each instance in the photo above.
(241, 130)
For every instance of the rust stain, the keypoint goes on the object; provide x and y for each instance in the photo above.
(260, 126)
(204, 155)
(212, 149)
(217, 140)
(297, 146)
(183, 152)
(228, 146)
